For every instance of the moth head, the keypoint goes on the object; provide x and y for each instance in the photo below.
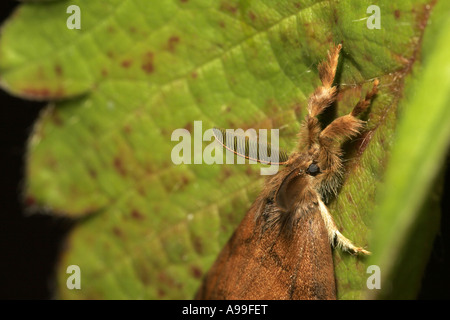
(311, 164)
(313, 169)
(299, 181)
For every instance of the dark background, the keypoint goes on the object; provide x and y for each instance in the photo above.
(29, 244)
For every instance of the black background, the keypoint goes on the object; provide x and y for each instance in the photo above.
(30, 244)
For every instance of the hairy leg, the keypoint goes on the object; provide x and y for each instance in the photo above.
(321, 98)
(333, 135)
(347, 126)
(324, 95)
(335, 235)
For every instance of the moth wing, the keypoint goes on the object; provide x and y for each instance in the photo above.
(255, 265)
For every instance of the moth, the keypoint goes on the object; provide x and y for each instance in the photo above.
(282, 247)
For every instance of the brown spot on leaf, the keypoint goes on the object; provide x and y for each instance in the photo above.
(198, 245)
(169, 281)
(248, 171)
(43, 92)
(149, 168)
(397, 14)
(350, 199)
(147, 63)
(137, 215)
(126, 63)
(222, 24)
(196, 272)
(40, 93)
(92, 173)
(194, 75)
(172, 43)
(184, 181)
(141, 191)
(252, 16)
(56, 118)
(335, 15)
(165, 132)
(118, 165)
(118, 232)
(188, 126)
(225, 6)
(58, 70)
(127, 129)
(298, 110)
(144, 277)
(368, 57)
(226, 173)
(59, 92)
(104, 72)
(161, 293)
(51, 162)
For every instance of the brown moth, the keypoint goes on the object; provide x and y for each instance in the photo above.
(281, 249)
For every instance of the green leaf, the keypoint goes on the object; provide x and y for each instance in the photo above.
(137, 70)
(407, 217)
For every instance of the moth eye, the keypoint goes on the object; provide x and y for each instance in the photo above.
(313, 169)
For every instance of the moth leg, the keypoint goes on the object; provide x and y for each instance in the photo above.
(335, 235)
(321, 98)
(348, 126)
(324, 95)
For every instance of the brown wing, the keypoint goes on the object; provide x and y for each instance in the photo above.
(256, 265)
